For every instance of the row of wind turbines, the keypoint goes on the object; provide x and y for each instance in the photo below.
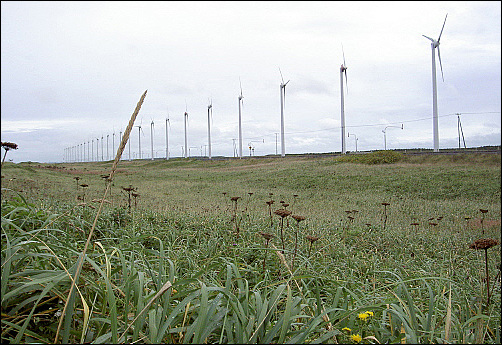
(73, 153)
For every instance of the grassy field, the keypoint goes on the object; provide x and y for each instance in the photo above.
(354, 270)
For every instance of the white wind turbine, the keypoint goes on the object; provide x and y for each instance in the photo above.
(151, 136)
(139, 138)
(283, 101)
(343, 69)
(240, 121)
(185, 116)
(168, 125)
(209, 117)
(434, 45)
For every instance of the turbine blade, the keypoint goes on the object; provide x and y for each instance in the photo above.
(281, 75)
(440, 64)
(442, 27)
(428, 38)
(343, 53)
(240, 84)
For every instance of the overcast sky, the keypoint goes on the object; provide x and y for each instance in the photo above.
(72, 72)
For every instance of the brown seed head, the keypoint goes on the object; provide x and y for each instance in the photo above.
(298, 218)
(282, 212)
(285, 205)
(235, 198)
(83, 185)
(385, 203)
(9, 146)
(414, 224)
(312, 239)
(483, 211)
(270, 202)
(433, 224)
(266, 236)
(483, 243)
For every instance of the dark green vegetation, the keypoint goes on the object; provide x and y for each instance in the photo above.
(371, 270)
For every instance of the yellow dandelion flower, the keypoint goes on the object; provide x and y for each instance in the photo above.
(363, 316)
(356, 337)
(370, 313)
(346, 329)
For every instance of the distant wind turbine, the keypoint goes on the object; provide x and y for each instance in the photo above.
(167, 136)
(434, 45)
(343, 69)
(283, 101)
(209, 117)
(139, 138)
(185, 116)
(151, 136)
(240, 120)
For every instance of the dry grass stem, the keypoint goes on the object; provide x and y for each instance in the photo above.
(112, 172)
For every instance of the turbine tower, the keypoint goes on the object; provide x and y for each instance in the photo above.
(186, 120)
(434, 45)
(139, 139)
(343, 69)
(167, 136)
(283, 100)
(240, 121)
(209, 115)
(151, 136)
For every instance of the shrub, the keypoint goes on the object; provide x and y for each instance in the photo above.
(375, 157)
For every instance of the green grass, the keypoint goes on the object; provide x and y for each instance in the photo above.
(182, 232)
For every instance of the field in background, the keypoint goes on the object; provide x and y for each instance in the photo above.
(422, 282)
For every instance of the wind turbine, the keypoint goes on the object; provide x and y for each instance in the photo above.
(240, 122)
(139, 137)
(209, 115)
(185, 117)
(343, 69)
(151, 136)
(434, 45)
(283, 100)
(168, 125)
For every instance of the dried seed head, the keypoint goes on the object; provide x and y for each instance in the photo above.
(312, 239)
(83, 185)
(285, 205)
(235, 198)
(282, 212)
(385, 203)
(483, 211)
(135, 195)
(9, 146)
(414, 224)
(266, 236)
(250, 193)
(270, 202)
(298, 218)
(483, 243)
